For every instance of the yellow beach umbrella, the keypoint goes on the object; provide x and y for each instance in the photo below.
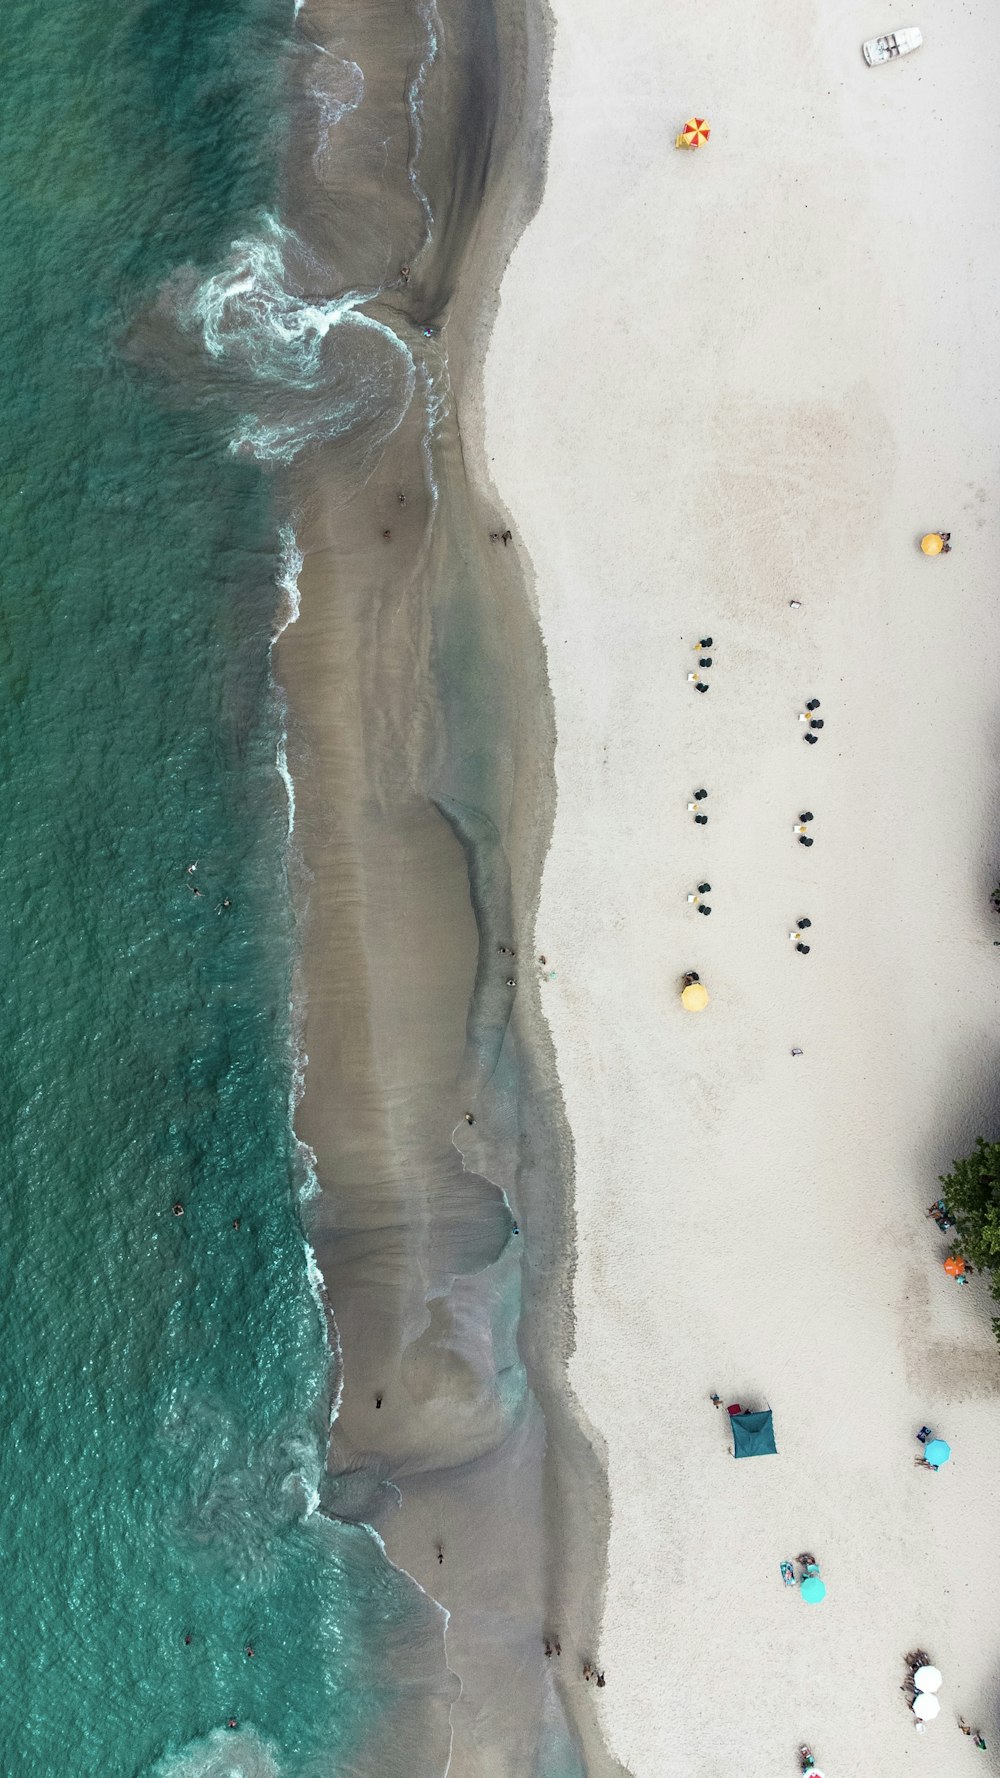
(932, 544)
(695, 997)
(694, 133)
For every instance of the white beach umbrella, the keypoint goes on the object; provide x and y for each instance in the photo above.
(927, 1679)
(926, 1706)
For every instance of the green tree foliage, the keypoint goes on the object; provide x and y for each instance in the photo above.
(972, 1194)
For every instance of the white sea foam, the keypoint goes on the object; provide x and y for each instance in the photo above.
(225, 1753)
(338, 89)
(431, 21)
(281, 765)
(290, 561)
(321, 1296)
(323, 368)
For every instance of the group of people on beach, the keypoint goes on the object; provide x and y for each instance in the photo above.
(554, 1647)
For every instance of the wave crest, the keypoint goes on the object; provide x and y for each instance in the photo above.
(225, 1753)
(299, 368)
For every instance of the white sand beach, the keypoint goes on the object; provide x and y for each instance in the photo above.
(719, 382)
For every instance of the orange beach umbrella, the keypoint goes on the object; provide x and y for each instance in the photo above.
(694, 133)
(954, 1266)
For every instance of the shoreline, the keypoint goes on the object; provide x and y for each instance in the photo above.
(413, 696)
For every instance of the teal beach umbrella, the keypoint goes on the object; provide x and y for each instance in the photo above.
(937, 1452)
(813, 1589)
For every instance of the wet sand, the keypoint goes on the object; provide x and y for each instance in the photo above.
(420, 745)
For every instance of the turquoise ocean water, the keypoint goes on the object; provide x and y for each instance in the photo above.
(162, 1377)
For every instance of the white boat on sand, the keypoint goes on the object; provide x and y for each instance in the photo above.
(897, 43)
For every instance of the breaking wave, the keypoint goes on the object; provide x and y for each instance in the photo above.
(299, 367)
(226, 1753)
